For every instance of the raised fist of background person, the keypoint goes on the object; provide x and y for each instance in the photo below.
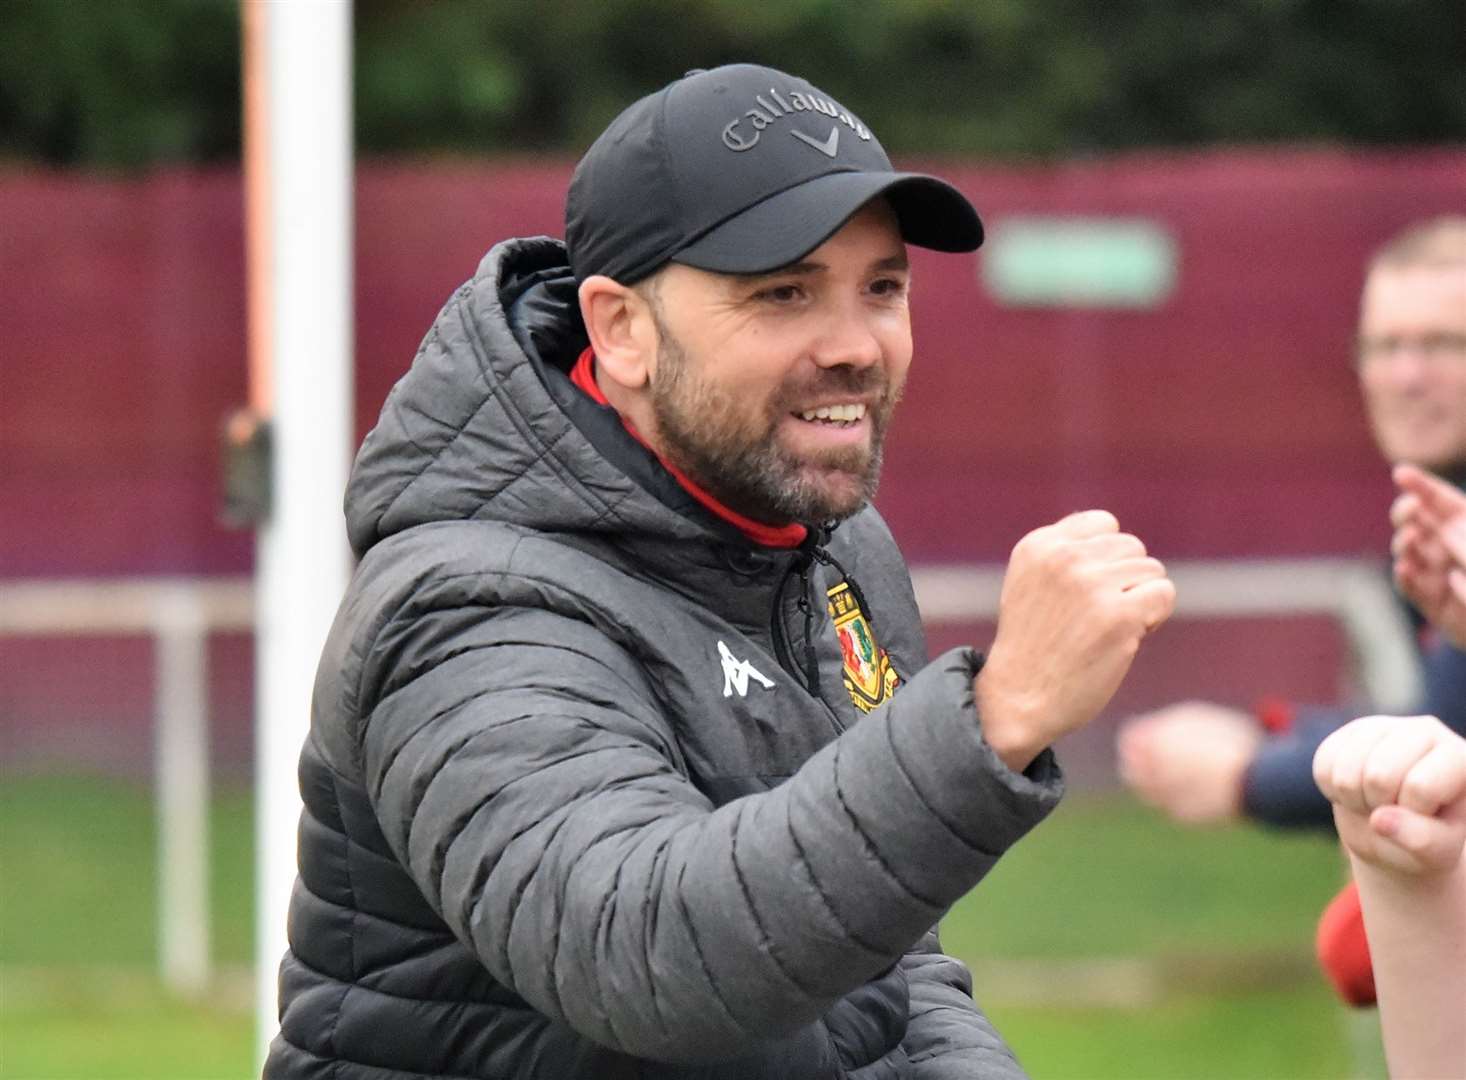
(1078, 597)
(1189, 759)
(1398, 785)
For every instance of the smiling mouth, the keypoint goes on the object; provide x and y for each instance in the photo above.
(838, 415)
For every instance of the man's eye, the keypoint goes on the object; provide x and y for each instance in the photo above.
(888, 286)
(780, 294)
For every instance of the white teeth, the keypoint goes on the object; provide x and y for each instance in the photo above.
(844, 413)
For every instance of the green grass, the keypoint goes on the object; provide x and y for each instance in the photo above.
(79, 859)
(120, 1028)
(1263, 1035)
(1100, 884)
(1104, 876)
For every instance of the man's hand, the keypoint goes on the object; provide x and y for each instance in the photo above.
(1078, 597)
(1188, 759)
(1429, 548)
(1398, 785)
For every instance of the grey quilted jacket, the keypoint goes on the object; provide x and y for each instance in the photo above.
(587, 792)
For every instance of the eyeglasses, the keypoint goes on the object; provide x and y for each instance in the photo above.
(1440, 349)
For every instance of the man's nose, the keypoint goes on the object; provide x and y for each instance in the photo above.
(848, 339)
(1408, 367)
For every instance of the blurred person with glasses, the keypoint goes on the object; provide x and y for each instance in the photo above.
(1202, 762)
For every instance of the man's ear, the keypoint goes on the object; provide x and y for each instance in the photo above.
(618, 321)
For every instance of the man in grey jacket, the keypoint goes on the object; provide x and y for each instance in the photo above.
(626, 756)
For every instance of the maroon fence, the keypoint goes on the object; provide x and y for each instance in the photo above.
(1224, 422)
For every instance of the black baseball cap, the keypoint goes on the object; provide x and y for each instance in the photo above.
(741, 169)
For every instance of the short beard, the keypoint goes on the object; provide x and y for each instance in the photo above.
(735, 455)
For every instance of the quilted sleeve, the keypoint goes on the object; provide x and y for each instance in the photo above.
(948, 1037)
(521, 770)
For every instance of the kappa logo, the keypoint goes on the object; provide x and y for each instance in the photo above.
(736, 673)
(830, 147)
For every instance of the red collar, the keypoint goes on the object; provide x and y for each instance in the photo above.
(583, 375)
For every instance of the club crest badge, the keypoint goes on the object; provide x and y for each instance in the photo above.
(869, 677)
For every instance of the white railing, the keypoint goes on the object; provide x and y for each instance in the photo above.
(1356, 592)
(180, 613)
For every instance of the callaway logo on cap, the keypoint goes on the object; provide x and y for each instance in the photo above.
(741, 169)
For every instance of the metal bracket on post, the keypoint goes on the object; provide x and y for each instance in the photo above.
(246, 462)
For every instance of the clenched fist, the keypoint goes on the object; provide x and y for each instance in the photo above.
(1398, 785)
(1077, 599)
(1189, 759)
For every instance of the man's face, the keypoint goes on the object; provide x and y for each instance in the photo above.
(774, 391)
(1412, 363)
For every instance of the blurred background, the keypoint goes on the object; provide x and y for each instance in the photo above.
(1180, 202)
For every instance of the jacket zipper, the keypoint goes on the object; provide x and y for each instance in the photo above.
(807, 674)
(783, 652)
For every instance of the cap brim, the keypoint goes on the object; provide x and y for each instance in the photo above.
(931, 213)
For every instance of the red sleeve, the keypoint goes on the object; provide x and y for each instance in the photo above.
(1343, 950)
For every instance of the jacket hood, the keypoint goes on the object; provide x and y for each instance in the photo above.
(487, 425)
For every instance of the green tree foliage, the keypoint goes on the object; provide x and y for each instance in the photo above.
(127, 82)
(119, 82)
